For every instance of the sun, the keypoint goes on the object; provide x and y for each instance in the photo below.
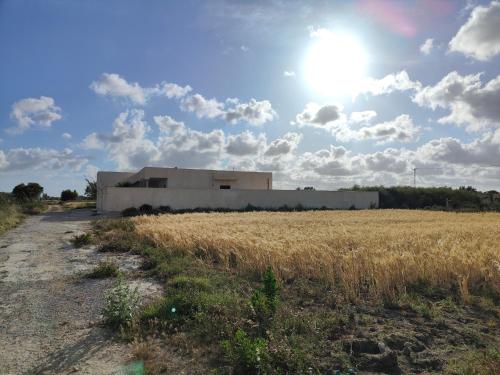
(335, 64)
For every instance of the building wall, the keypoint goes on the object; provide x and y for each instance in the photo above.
(206, 179)
(108, 179)
(117, 199)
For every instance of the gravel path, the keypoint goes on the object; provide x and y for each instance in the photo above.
(49, 315)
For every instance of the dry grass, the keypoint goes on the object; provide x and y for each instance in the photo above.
(375, 252)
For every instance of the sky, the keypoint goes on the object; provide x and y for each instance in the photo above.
(322, 93)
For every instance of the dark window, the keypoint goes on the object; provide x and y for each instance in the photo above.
(158, 182)
(225, 187)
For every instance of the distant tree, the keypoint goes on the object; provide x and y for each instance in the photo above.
(29, 192)
(68, 195)
(91, 189)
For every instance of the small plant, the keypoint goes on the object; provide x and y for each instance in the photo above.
(264, 301)
(121, 303)
(146, 209)
(103, 270)
(82, 240)
(246, 355)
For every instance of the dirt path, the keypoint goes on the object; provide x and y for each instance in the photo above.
(49, 314)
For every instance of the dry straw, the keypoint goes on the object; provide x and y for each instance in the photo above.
(375, 252)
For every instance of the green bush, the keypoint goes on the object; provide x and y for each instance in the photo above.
(69, 195)
(82, 240)
(264, 301)
(121, 303)
(247, 355)
(103, 270)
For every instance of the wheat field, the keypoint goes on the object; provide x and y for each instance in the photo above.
(372, 252)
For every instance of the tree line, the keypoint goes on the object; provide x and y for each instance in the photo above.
(462, 198)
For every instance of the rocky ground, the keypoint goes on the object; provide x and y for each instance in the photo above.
(50, 318)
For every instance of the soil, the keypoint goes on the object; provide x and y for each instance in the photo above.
(50, 314)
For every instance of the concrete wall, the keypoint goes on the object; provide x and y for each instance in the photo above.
(179, 178)
(108, 179)
(115, 199)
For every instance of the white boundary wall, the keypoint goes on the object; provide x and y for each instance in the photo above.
(114, 199)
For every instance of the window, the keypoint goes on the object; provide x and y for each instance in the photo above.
(225, 187)
(158, 182)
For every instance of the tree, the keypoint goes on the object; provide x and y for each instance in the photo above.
(91, 189)
(29, 192)
(68, 195)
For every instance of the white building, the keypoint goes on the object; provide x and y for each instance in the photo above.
(200, 188)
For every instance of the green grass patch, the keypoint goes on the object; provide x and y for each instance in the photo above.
(103, 270)
(82, 240)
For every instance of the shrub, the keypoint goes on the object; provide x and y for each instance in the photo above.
(121, 303)
(31, 191)
(103, 270)
(146, 209)
(246, 355)
(131, 211)
(264, 301)
(68, 195)
(82, 240)
(91, 189)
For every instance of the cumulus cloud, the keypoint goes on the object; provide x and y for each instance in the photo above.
(40, 112)
(66, 136)
(288, 73)
(285, 145)
(17, 159)
(254, 112)
(362, 117)
(401, 129)
(479, 37)
(203, 108)
(114, 86)
(245, 143)
(318, 116)
(427, 46)
(469, 102)
(168, 124)
(392, 82)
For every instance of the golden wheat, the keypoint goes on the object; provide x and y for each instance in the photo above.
(379, 252)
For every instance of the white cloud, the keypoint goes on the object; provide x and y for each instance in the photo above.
(288, 73)
(468, 101)
(479, 37)
(318, 116)
(427, 46)
(392, 82)
(254, 112)
(203, 108)
(362, 117)
(112, 85)
(285, 145)
(401, 129)
(17, 159)
(40, 112)
(245, 143)
(168, 124)
(66, 136)
(244, 48)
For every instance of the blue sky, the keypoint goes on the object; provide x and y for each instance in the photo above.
(322, 93)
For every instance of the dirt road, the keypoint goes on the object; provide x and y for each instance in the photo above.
(49, 314)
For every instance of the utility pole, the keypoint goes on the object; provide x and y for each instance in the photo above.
(415, 175)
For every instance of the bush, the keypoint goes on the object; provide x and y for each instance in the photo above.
(82, 240)
(31, 191)
(146, 209)
(68, 195)
(103, 270)
(246, 355)
(264, 301)
(129, 212)
(121, 303)
(91, 189)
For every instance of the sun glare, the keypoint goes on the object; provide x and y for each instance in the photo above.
(335, 64)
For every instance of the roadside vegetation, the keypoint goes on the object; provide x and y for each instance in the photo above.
(313, 292)
(103, 270)
(24, 200)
